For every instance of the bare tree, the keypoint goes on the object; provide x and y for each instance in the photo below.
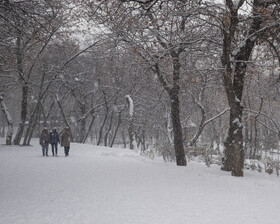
(32, 25)
(159, 36)
(240, 34)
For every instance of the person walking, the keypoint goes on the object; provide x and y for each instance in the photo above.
(65, 140)
(44, 141)
(54, 140)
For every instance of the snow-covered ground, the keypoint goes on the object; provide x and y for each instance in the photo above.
(98, 185)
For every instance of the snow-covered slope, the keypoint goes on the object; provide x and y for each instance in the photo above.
(98, 185)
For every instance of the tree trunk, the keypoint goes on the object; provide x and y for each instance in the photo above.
(2, 131)
(246, 137)
(62, 112)
(124, 139)
(24, 89)
(106, 136)
(32, 123)
(235, 64)
(23, 116)
(234, 151)
(82, 133)
(175, 112)
(9, 121)
(256, 145)
(116, 130)
(144, 139)
(89, 128)
(105, 119)
(64, 116)
(141, 140)
(169, 128)
(131, 135)
(177, 129)
(173, 92)
(100, 136)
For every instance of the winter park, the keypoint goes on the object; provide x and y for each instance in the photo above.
(139, 111)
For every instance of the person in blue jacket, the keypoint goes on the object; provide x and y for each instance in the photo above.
(54, 140)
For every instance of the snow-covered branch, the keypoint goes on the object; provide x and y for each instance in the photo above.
(195, 137)
(267, 116)
(130, 105)
(91, 111)
(131, 132)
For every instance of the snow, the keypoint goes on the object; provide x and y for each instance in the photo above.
(237, 121)
(235, 3)
(236, 99)
(131, 105)
(117, 186)
(235, 52)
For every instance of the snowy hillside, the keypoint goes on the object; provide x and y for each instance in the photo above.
(97, 185)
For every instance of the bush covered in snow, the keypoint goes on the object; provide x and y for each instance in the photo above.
(204, 154)
(148, 153)
(254, 164)
(268, 164)
(166, 150)
(209, 156)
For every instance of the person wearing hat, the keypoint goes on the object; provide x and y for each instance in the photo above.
(44, 141)
(65, 140)
(54, 140)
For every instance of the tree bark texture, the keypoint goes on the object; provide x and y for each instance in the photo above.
(175, 113)
(9, 121)
(173, 92)
(234, 151)
(100, 136)
(106, 136)
(177, 128)
(89, 128)
(235, 65)
(24, 90)
(116, 129)
(23, 115)
(131, 134)
(32, 123)
(83, 122)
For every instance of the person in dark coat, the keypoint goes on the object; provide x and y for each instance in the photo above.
(44, 141)
(54, 140)
(65, 140)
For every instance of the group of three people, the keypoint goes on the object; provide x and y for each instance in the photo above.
(52, 138)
